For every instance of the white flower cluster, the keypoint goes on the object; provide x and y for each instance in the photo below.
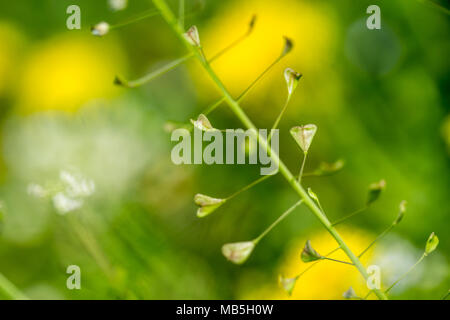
(74, 189)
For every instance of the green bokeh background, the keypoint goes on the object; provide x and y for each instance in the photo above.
(390, 120)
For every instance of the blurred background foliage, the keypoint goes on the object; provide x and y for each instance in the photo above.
(380, 99)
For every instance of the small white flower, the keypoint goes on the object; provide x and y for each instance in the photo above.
(117, 5)
(77, 186)
(35, 190)
(63, 204)
(100, 29)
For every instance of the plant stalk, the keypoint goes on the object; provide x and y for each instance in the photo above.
(9, 290)
(168, 15)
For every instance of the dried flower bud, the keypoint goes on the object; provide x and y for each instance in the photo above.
(304, 135)
(206, 204)
(192, 36)
(375, 190)
(287, 284)
(251, 25)
(432, 243)
(202, 123)
(238, 252)
(288, 44)
(401, 212)
(350, 293)
(326, 168)
(313, 195)
(100, 29)
(309, 254)
(292, 77)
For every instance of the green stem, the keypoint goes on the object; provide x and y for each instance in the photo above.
(302, 167)
(244, 93)
(367, 295)
(9, 290)
(91, 245)
(152, 75)
(234, 43)
(277, 121)
(446, 295)
(254, 183)
(280, 218)
(235, 107)
(213, 107)
(350, 215)
(181, 13)
(406, 273)
(340, 261)
(381, 235)
(151, 13)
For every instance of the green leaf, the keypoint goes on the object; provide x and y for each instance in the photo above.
(432, 243)
(375, 190)
(304, 135)
(207, 204)
(238, 252)
(309, 254)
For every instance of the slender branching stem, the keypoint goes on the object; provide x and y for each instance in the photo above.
(9, 290)
(446, 295)
(235, 42)
(350, 215)
(212, 107)
(406, 273)
(244, 93)
(280, 218)
(237, 110)
(148, 14)
(277, 121)
(251, 185)
(367, 295)
(302, 167)
(152, 75)
(91, 245)
(340, 261)
(381, 235)
(181, 13)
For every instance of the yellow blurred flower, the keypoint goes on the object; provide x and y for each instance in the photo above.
(65, 72)
(11, 42)
(309, 25)
(327, 279)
